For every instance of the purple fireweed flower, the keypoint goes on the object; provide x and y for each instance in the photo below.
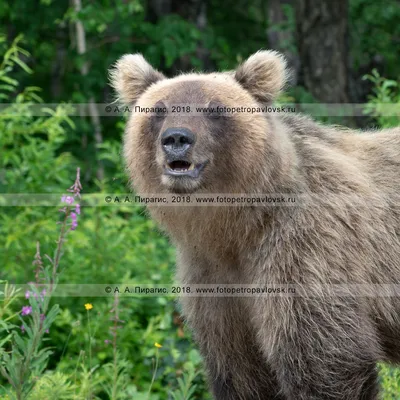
(27, 294)
(46, 331)
(106, 341)
(22, 328)
(67, 199)
(74, 219)
(26, 310)
(75, 189)
(74, 224)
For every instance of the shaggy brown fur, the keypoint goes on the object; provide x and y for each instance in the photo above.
(346, 231)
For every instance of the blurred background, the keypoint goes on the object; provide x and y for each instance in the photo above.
(59, 52)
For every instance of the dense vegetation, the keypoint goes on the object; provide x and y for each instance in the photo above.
(129, 347)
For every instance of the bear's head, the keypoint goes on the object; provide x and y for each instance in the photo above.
(182, 136)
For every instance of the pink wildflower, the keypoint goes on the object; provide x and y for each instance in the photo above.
(74, 224)
(26, 310)
(67, 199)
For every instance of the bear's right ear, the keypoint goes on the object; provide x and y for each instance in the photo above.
(131, 76)
(263, 74)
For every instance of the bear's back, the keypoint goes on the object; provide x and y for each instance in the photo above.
(338, 158)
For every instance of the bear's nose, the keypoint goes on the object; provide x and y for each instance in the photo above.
(177, 141)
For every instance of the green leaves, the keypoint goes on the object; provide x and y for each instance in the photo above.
(186, 387)
(384, 103)
(390, 380)
(116, 378)
(54, 385)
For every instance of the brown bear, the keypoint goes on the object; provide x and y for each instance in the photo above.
(320, 343)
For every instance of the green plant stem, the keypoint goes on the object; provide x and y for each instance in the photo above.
(115, 372)
(59, 244)
(90, 352)
(154, 375)
(76, 368)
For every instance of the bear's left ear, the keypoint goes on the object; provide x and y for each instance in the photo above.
(131, 76)
(263, 74)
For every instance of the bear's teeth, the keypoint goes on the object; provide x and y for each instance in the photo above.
(191, 168)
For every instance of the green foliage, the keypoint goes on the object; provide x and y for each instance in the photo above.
(384, 103)
(53, 386)
(186, 386)
(24, 363)
(10, 59)
(390, 380)
(117, 380)
(375, 32)
(131, 251)
(231, 41)
(9, 295)
(25, 138)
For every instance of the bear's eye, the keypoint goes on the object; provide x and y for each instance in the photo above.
(160, 110)
(215, 110)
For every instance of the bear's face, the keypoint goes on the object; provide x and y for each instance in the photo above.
(188, 142)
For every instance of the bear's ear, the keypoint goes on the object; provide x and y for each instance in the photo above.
(263, 74)
(131, 76)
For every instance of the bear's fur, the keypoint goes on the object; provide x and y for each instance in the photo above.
(345, 230)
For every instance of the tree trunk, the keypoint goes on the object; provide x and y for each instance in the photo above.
(94, 114)
(280, 38)
(322, 36)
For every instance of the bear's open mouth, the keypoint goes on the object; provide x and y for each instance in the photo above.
(183, 168)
